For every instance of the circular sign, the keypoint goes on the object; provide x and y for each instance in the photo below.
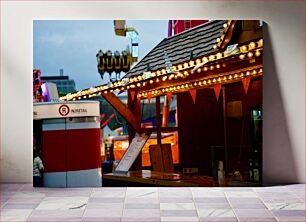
(64, 110)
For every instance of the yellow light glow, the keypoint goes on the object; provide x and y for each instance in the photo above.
(186, 86)
(252, 45)
(218, 40)
(230, 77)
(260, 43)
(178, 87)
(204, 59)
(151, 81)
(242, 56)
(138, 84)
(209, 81)
(186, 73)
(135, 79)
(158, 72)
(200, 83)
(74, 99)
(163, 90)
(247, 73)
(211, 57)
(195, 84)
(182, 86)
(153, 74)
(198, 61)
(157, 80)
(204, 82)
(225, 25)
(144, 83)
(199, 70)
(111, 90)
(139, 77)
(163, 71)
(167, 89)
(211, 67)
(185, 65)
(254, 72)
(219, 55)
(257, 53)
(242, 74)
(214, 46)
(191, 63)
(219, 79)
(218, 66)
(250, 54)
(180, 67)
(214, 80)
(244, 48)
(205, 69)
(236, 75)
(224, 78)
(174, 67)
(105, 92)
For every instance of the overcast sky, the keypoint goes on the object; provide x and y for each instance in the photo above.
(73, 45)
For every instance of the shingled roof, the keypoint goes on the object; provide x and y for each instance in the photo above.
(197, 41)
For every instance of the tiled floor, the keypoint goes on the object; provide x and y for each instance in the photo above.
(22, 202)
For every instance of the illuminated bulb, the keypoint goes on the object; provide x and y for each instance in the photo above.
(224, 78)
(151, 81)
(214, 46)
(204, 59)
(180, 67)
(235, 76)
(242, 56)
(225, 25)
(252, 45)
(218, 39)
(111, 90)
(128, 87)
(219, 79)
(250, 54)
(257, 53)
(105, 92)
(185, 65)
(186, 73)
(79, 97)
(131, 80)
(195, 84)
(191, 63)
(100, 93)
(260, 71)
(260, 43)
(164, 71)
(144, 84)
(163, 90)
(200, 83)
(230, 77)
(176, 76)
(219, 55)
(139, 77)
(174, 67)
(218, 66)
(244, 48)
(174, 88)
(135, 79)
(165, 78)
(167, 89)
(153, 74)
(241, 75)
(158, 72)
(212, 57)
(115, 84)
(138, 84)
(204, 82)
(211, 67)
(199, 70)
(254, 72)
(214, 80)
(157, 80)
(182, 86)
(209, 81)
(205, 68)
(198, 61)
(132, 86)
(74, 99)
(84, 97)
(247, 73)
(186, 86)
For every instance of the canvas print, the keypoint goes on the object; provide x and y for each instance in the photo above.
(175, 103)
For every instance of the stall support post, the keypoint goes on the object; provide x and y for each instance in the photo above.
(158, 124)
(225, 129)
(134, 106)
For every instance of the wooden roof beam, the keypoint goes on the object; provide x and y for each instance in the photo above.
(121, 108)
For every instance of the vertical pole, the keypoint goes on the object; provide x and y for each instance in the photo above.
(158, 120)
(225, 129)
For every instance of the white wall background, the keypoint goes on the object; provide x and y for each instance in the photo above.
(284, 80)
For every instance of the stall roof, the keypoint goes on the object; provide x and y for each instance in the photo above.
(197, 41)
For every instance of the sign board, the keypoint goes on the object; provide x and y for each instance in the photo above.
(49, 110)
(132, 152)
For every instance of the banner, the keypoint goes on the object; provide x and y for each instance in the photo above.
(193, 93)
(246, 84)
(217, 89)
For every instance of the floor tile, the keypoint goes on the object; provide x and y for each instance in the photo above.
(62, 203)
(20, 206)
(141, 219)
(219, 219)
(102, 219)
(256, 219)
(176, 199)
(14, 214)
(254, 213)
(105, 200)
(57, 213)
(141, 206)
(177, 206)
(109, 206)
(240, 194)
(216, 213)
(141, 200)
(289, 213)
(112, 194)
(178, 213)
(143, 213)
(212, 205)
(179, 219)
(210, 200)
(207, 192)
(103, 213)
(285, 206)
(244, 200)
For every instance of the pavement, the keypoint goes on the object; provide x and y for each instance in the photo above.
(22, 202)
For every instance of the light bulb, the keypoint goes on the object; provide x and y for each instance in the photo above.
(242, 56)
(252, 45)
(257, 53)
(250, 54)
